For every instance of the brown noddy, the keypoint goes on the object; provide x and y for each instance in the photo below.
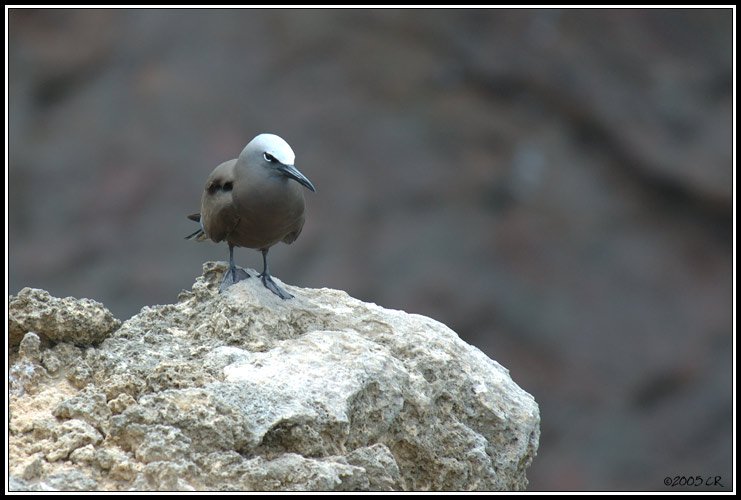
(254, 201)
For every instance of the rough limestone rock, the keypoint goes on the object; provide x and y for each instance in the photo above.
(77, 321)
(244, 391)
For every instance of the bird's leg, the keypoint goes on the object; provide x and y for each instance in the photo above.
(232, 267)
(268, 281)
(233, 274)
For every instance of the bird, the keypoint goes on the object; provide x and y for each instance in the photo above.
(254, 201)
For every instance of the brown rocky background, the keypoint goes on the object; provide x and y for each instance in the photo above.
(554, 185)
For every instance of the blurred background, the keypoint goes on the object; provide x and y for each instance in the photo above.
(554, 185)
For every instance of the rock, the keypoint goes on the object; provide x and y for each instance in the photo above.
(120, 403)
(29, 347)
(118, 464)
(24, 376)
(34, 467)
(69, 480)
(380, 466)
(78, 321)
(243, 391)
(18, 484)
(294, 472)
(83, 455)
(89, 406)
(69, 436)
(166, 476)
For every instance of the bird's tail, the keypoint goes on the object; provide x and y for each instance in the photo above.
(200, 234)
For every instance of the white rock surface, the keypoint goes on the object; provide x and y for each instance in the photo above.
(244, 391)
(78, 321)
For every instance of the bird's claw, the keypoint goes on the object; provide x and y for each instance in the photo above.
(273, 287)
(231, 277)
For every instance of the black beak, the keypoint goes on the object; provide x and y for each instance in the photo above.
(293, 173)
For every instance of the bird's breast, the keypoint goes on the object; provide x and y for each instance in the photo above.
(267, 212)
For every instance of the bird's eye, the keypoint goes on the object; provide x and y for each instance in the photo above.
(268, 157)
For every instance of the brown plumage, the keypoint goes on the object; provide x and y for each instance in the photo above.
(254, 201)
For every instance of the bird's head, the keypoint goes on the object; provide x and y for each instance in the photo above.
(272, 152)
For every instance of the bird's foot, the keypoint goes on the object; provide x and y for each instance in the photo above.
(273, 286)
(231, 277)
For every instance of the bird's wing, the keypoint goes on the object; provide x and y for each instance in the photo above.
(218, 214)
(220, 221)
